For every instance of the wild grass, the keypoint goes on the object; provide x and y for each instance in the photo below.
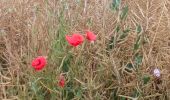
(132, 39)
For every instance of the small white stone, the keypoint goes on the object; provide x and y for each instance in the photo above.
(156, 72)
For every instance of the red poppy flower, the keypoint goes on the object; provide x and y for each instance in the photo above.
(61, 81)
(90, 36)
(75, 40)
(39, 63)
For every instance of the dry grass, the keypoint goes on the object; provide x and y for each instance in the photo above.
(29, 28)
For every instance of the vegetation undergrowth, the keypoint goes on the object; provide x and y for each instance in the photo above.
(82, 50)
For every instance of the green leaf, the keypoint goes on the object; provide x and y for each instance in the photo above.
(146, 79)
(69, 91)
(124, 34)
(34, 87)
(124, 13)
(70, 95)
(138, 29)
(126, 30)
(66, 63)
(122, 98)
(138, 38)
(117, 28)
(137, 43)
(77, 1)
(136, 46)
(138, 59)
(79, 93)
(129, 67)
(114, 94)
(111, 43)
(116, 4)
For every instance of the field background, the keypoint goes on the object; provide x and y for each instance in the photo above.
(31, 28)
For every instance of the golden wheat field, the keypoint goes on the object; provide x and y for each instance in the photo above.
(127, 57)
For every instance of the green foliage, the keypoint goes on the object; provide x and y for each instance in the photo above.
(129, 67)
(38, 89)
(34, 86)
(146, 79)
(124, 33)
(59, 44)
(137, 43)
(124, 13)
(138, 40)
(122, 98)
(138, 60)
(116, 4)
(138, 29)
(44, 87)
(111, 43)
(117, 29)
(66, 63)
(103, 69)
(70, 91)
(79, 93)
(113, 95)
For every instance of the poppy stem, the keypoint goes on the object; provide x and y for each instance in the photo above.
(62, 94)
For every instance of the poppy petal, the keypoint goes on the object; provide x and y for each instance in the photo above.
(39, 63)
(75, 40)
(90, 36)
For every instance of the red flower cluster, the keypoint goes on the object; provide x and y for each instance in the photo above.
(76, 39)
(39, 63)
